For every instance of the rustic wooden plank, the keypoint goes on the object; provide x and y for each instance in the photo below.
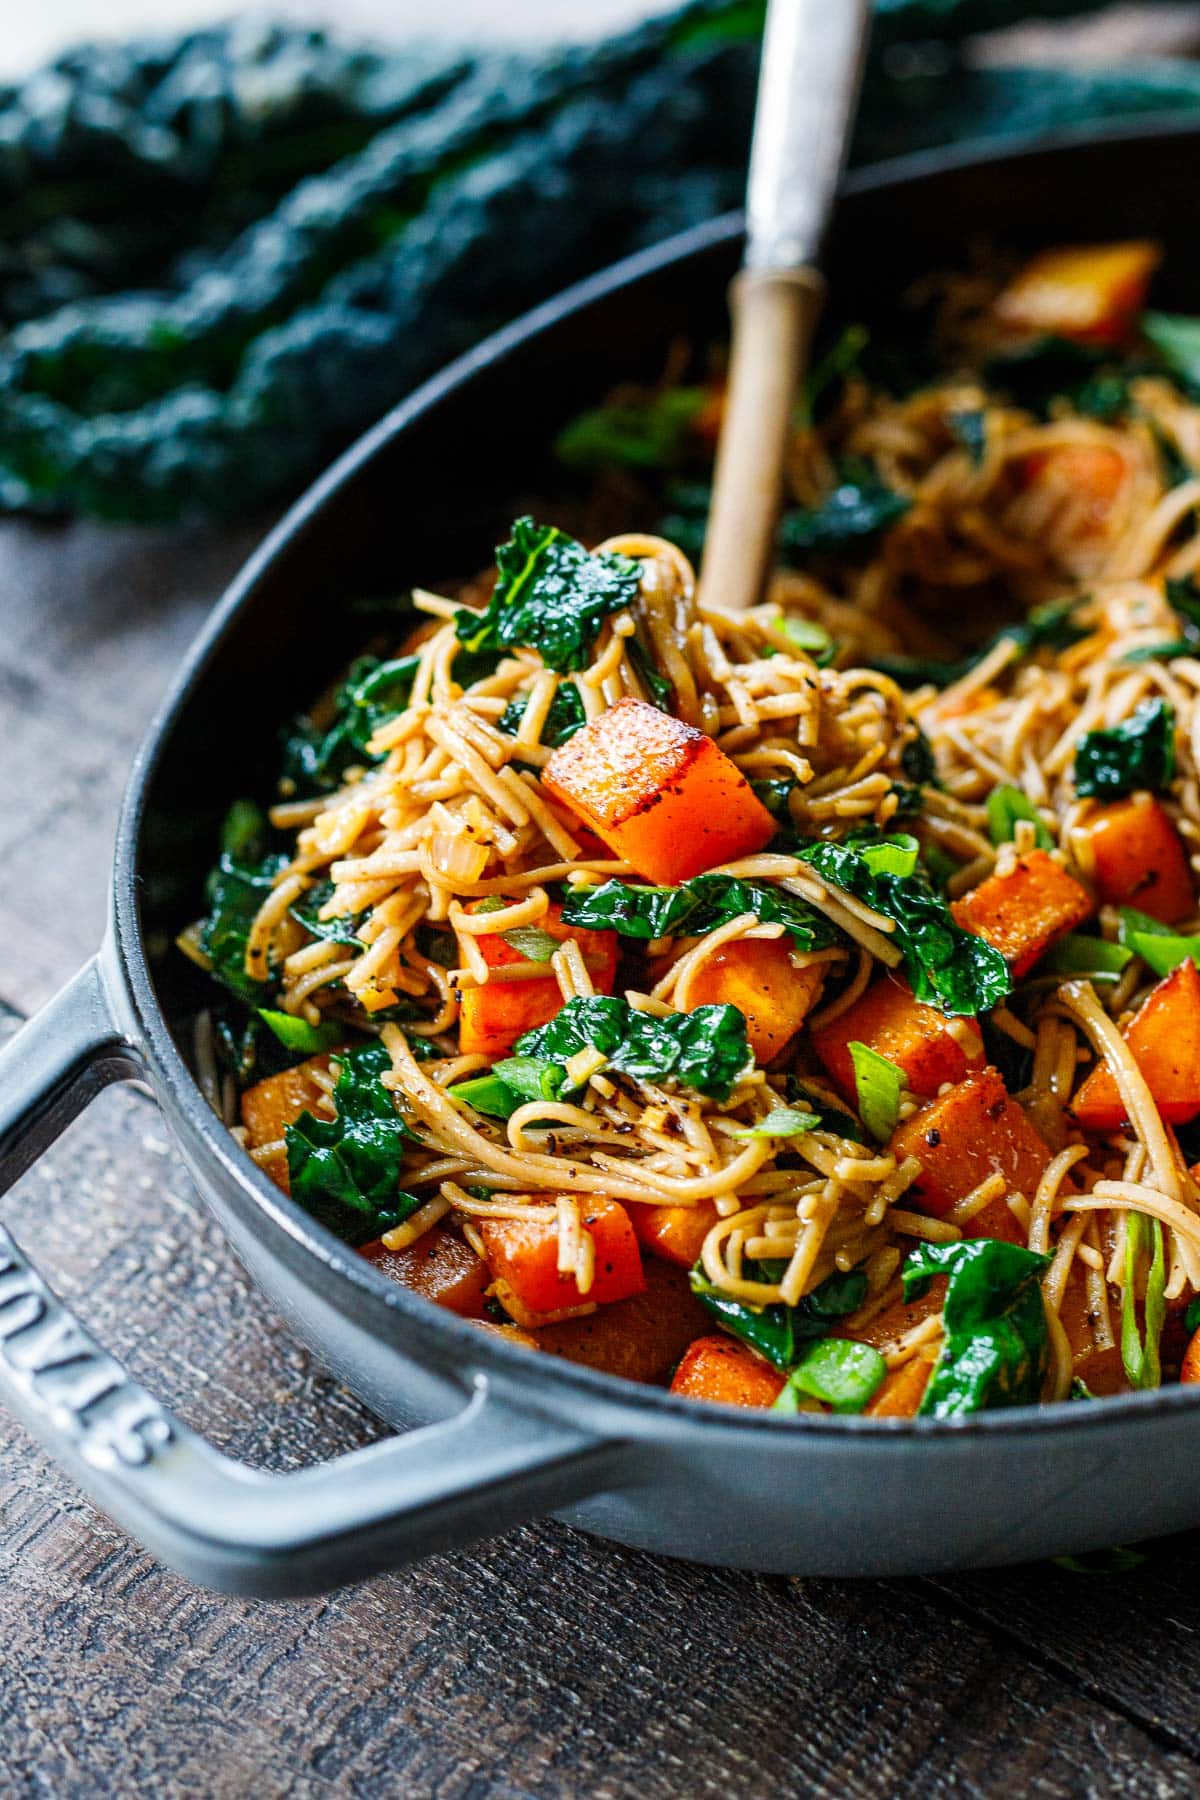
(1133, 1637)
(539, 1664)
(542, 1664)
(95, 621)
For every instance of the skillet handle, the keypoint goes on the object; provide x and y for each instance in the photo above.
(217, 1522)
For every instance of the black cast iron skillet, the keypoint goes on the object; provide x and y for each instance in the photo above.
(425, 495)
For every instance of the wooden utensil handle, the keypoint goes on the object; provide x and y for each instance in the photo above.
(774, 315)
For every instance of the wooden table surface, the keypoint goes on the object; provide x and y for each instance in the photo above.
(540, 1664)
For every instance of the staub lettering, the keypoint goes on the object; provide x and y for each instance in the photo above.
(68, 1380)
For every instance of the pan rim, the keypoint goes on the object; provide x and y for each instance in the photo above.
(551, 1382)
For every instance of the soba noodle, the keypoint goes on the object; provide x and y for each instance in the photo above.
(448, 808)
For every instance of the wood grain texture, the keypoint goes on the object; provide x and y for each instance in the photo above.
(94, 622)
(543, 1664)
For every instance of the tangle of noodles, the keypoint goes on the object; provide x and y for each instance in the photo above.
(440, 840)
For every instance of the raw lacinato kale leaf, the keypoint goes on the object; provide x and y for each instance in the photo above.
(996, 1347)
(314, 757)
(551, 595)
(565, 717)
(695, 908)
(776, 1331)
(705, 1049)
(1140, 753)
(345, 1171)
(945, 965)
(860, 506)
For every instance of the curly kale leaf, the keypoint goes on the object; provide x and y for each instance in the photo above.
(345, 1171)
(565, 717)
(860, 506)
(778, 1332)
(551, 596)
(316, 757)
(705, 1049)
(341, 930)
(235, 890)
(695, 908)
(945, 965)
(1139, 753)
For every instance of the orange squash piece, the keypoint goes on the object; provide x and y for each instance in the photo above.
(273, 1104)
(675, 1233)
(491, 1018)
(902, 1390)
(1086, 479)
(1164, 1039)
(658, 792)
(524, 1253)
(1092, 293)
(718, 1369)
(1140, 859)
(1189, 1369)
(914, 1036)
(901, 1316)
(441, 1266)
(1022, 913)
(966, 1134)
(640, 1338)
(758, 976)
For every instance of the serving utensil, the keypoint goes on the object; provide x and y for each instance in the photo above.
(808, 87)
